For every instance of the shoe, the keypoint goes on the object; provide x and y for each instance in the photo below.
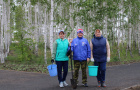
(61, 84)
(103, 84)
(99, 84)
(65, 84)
(85, 85)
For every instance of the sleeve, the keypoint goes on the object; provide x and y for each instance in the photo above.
(91, 47)
(88, 50)
(108, 48)
(68, 51)
(54, 50)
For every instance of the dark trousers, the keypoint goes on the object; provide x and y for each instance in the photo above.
(83, 65)
(60, 65)
(101, 71)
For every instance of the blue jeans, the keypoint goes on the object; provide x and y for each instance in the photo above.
(101, 71)
(60, 65)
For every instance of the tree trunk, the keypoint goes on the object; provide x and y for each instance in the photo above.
(129, 41)
(8, 36)
(36, 30)
(1, 44)
(118, 43)
(105, 27)
(51, 27)
(5, 29)
(45, 38)
(139, 35)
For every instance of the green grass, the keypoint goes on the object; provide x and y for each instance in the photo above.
(37, 64)
(123, 57)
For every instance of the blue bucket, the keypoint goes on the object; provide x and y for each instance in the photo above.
(92, 70)
(52, 70)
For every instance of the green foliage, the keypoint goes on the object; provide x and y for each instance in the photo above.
(124, 56)
(24, 45)
(30, 58)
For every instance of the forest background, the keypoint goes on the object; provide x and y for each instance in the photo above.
(28, 29)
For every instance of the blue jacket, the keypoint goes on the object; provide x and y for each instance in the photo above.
(81, 49)
(99, 49)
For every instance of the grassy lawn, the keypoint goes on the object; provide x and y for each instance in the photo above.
(37, 63)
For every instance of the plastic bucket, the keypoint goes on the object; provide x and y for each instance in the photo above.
(52, 70)
(92, 70)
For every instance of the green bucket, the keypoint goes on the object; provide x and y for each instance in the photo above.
(92, 70)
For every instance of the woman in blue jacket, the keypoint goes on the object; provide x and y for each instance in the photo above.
(60, 47)
(81, 54)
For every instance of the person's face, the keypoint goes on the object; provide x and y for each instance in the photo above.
(80, 34)
(61, 35)
(98, 33)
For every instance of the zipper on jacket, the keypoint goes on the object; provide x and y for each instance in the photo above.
(58, 54)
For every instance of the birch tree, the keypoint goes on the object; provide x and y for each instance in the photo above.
(1, 44)
(51, 26)
(45, 36)
(139, 35)
(36, 30)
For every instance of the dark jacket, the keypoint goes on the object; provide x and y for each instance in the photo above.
(99, 49)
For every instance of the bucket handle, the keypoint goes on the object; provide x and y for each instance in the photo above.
(88, 63)
(51, 65)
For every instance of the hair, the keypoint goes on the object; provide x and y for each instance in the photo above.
(99, 30)
(62, 32)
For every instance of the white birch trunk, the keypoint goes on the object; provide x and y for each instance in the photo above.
(139, 35)
(71, 22)
(45, 37)
(1, 44)
(51, 27)
(118, 40)
(29, 15)
(36, 30)
(30, 22)
(5, 29)
(39, 21)
(8, 36)
(129, 41)
(105, 27)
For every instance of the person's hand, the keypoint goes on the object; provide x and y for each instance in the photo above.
(87, 59)
(92, 59)
(70, 41)
(108, 59)
(52, 60)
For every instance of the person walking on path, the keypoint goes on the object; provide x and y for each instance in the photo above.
(81, 55)
(60, 48)
(100, 54)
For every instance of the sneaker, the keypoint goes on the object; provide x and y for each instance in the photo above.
(61, 84)
(85, 85)
(65, 84)
(103, 84)
(99, 84)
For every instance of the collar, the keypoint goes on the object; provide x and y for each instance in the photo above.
(62, 39)
(79, 37)
(98, 37)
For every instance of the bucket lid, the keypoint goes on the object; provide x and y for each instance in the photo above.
(93, 66)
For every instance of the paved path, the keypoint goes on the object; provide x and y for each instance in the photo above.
(117, 78)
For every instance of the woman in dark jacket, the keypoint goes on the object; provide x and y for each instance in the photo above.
(100, 54)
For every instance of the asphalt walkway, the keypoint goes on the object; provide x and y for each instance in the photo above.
(117, 78)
